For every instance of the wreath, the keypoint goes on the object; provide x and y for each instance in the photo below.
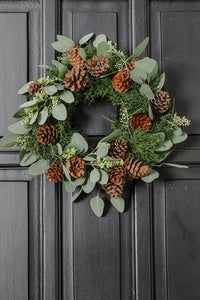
(145, 130)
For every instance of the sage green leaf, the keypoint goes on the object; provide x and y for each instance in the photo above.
(9, 138)
(102, 150)
(59, 147)
(69, 187)
(29, 158)
(86, 38)
(21, 155)
(19, 114)
(42, 117)
(67, 96)
(148, 64)
(151, 177)
(150, 112)
(177, 165)
(161, 83)
(94, 175)
(39, 167)
(76, 195)
(25, 88)
(104, 49)
(33, 119)
(78, 181)
(99, 38)
(141, 47)
(138, 75)
(8, 145)
(146, 91)
(50, 89)
(163, 155)
(179, 138)
(118, 203)
(166, 145)
(28, 104)
(60, 87)
(66, 173)
(116, 134)
(97, 206)
(78, 142)
(88, 186)
(57, 64)
(18, 128)
(65, 42)
(177, 131)
(88, 158)
(161, 135)
(82, 53)
(103, 177)
(58, 47)
(59, 112)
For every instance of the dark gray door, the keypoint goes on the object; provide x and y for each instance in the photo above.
(52, 250)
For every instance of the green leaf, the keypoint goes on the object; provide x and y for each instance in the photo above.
(116, 134)
(60, 87)
(94, 175)
(65, 42)
(102, 150)
(166, 145)
(25, 88)
(58, 47)
(177, 165)
(78, 142)
(59, 112)
(146, 91)
(9, 138)
(19, 114)
(161, 135)
(28, 103)
(57, 64)
(118, 203)
(150, 112)
(151, 177)
(82, 53)
(163, 155)
(69, 187)
(138, 75)
(62, 73)
(39, 167)
(141, 47)
(8, 145)
(103, 49)
(97, 206)
(18, 128)
(76, 195)
(42, 117)
(148, 64)
(67, 96)
(59, 147)
(99, 38)
(78, 181)
(88, 186)
(88, 158)
(29, 159)
(66, 173)
(50, 89)
(33, 119)
(103, 177)
(179, 138)
(86, 38)
(21, 155)
(177, 131)
(161, 83)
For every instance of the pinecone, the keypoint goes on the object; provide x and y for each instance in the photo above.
(118, 149)
(142, 121)
(76, 167)
(116, 174)
(55, 173)
(47, 135)
(114, 190)
(97, 65)
(75, 58)
(130, 66)
(34, 87)
(161, 102)
(135, 168)
(122, 81)
(76, 79)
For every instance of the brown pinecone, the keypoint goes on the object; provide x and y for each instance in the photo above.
(76, 167)
(76, 79)
(114, 190)
(118, 149)
(97, 65)
(116, 174)
(75, 58)
(47, 135)
(130, 66)
(142, 121)
(122, 81)
(135, 168)
(161, 102)
(34, 87)
(55, 173)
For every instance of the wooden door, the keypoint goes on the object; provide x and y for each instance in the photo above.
(50, 249)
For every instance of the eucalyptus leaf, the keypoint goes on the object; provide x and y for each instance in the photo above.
(33, 119)
(9, 138)
(18, 128)
(163, 155)
(88, 186)
(69, 187)
(94, 175)
(138, 75)
(97, 206)
(151, 177)
(118, 203)
(99, 38)
(60, 87)
(19, 114)
(42, 117)
(29, 158)
(50, 89)
(57, 64)
(176, 165)
(78, 142)
(177, 131)
(59, 112)
(148, 64)
(8, 145)
(59, 147)
(86, 38)
(141, 47)
(76, 195)
(66, 173)
(103, 177)
(65, 42)
(39, 167)
(150, 112)
(21, 155)
(179, 138)
(166, 145)
(161, 83)
(82, 53)
(146, 91)
(89, 158)
(78, 181)
(28, 104)
(102, 150)
(104, 49)
(58, 47)
(25, 88)
(67, 96)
